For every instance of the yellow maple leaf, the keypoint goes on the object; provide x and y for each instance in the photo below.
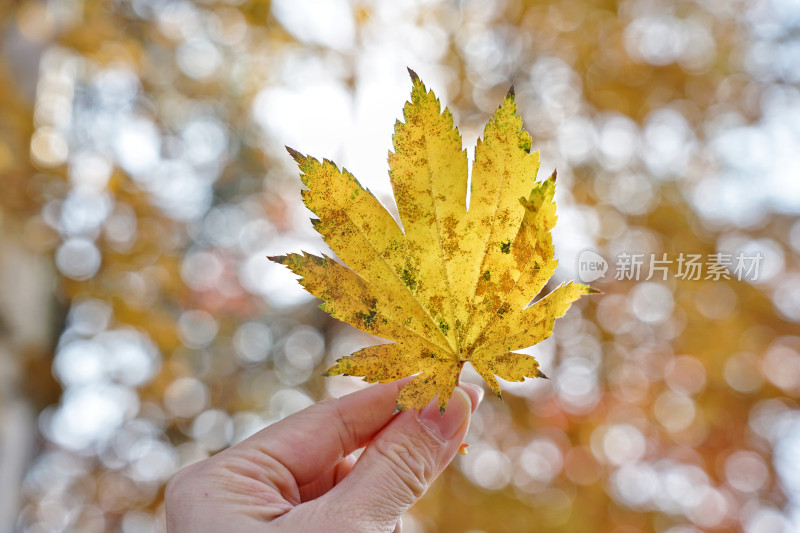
(454, 285)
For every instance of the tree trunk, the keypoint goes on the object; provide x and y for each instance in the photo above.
(26, 339)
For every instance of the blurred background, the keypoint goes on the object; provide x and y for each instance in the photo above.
(144, 182)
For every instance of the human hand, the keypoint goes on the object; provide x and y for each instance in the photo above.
(299, 474)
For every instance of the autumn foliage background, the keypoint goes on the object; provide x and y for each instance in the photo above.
(144, 182)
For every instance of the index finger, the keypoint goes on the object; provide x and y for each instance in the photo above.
(313, 440)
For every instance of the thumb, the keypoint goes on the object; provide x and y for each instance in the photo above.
(402, 461)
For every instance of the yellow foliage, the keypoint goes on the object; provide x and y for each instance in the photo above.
(453, 286)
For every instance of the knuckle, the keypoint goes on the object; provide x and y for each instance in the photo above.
(345, 427)
(330, 411)
(181, 484)
(412, 463)
(175, 485)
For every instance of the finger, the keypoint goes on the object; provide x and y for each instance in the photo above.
(344, 468)
(328, 480)
(401, 462)
(333, 477)
(312, 441)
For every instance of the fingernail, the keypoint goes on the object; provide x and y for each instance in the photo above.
(475, 393)
(447, 425)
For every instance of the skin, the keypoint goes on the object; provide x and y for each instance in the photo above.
(300, 474)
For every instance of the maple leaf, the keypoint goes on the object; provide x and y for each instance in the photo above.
(453, 285)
